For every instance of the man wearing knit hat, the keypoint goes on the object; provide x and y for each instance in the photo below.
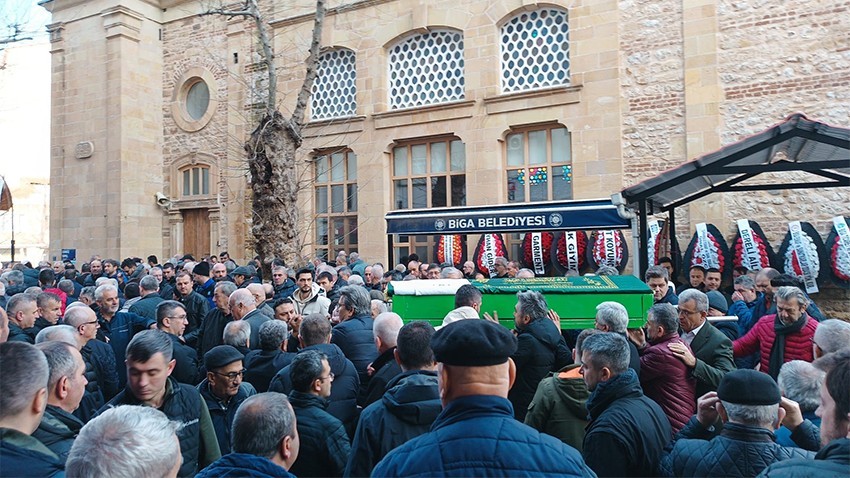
(476, 433)
(204, 284)
(732, 432)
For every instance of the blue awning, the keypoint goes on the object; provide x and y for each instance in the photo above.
(525, 217)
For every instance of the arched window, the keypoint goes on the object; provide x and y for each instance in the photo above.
(426, 69)
(535, 50)
(335, 89)
(195, 181)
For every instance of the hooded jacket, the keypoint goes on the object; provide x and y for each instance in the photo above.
(244, 465)
(324, 448)
(23, 455)
(668, 381)
(57, 431)
(738, 450)
(343, 399)
(407, 410)
(627, 431)
(316, 303)
(540, 350)
(559, 406)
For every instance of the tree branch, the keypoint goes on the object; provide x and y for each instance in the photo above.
(297, 119)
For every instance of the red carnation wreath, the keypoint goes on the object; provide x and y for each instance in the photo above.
(570, 252)
(789, 262)
(715, 255)
(608, 247)
(453, 242)
(536, 251)
(838, 248)
(489, 247)
(756, 245)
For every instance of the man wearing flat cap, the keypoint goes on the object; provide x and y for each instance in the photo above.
(223, 390)
(732, 432)
(476, 433)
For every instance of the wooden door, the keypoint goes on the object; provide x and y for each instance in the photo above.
(196, 232)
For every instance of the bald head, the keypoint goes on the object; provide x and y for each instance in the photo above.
(241, 303)
(258, 292)
(385, 329)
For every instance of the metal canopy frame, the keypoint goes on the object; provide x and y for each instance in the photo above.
(796, 144)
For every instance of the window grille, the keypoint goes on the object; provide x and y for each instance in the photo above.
(426, 69)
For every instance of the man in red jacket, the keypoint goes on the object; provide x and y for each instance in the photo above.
(781, 337)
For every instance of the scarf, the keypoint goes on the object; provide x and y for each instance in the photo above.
(777, 352)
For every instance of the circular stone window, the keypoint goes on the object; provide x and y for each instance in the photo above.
(193, 102)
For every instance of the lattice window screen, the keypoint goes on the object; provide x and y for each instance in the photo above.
(426, 69)
(335, 89)
(535, 50)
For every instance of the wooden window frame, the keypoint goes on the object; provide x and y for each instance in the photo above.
(347, 215)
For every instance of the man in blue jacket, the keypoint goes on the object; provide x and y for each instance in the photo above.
(354, 333)
(476, 433)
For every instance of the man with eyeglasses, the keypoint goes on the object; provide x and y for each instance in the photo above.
(99, 360)
(709, 357)
(171, 318)
(223, 390)
(325, 446)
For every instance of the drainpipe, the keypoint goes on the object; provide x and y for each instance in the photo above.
(627, 213)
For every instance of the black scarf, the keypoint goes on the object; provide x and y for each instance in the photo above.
(777, 352)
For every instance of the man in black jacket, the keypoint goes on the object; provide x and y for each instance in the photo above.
(385, 367)
(211, 331)
(627, 431)
(223, 390)
(197, 305)
(354, 333)
(324, 448)
(407, 409)
(613, 317)
(65, 387)
(149, 292)
(171, 319)
(262, 365)
(540, 349)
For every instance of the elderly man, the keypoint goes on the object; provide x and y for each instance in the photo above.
(262, 365)
(407, 409)
(22, 406)
(283, 285)
(830, 336)
(265, 440)
(223, 390)
(476, 434)
(212, 327)
(150, 298)
(258, 292)
(500, 266)
(127, 441)
(613, 317)
(65, 388)
(658, 280)
(354, 333)
(244, 307)
(469, 270)
(706, 351)
(627, 431)
(325, 446)
(747, 405)
(801, 382)
(384, 368)
(781, 337)
(540, 349)
(117, 328)
(171, 319)
(237, 334)
(559, 405)
(149, 366)
(664, 378)
(22, 310)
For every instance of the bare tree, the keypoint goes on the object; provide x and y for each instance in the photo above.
(271, 149)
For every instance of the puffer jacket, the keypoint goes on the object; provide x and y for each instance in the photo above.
(262, 365)
(23, 455)
(540, 350)
(243, 465)
(668, 381)
(222, 414)
(627, 432)
(739, 450)
(760, 338)
(57, 431)
(407, 410)
(478, 435)
(559, 407)
(386, 368)
(325, 447)
(354, 337)
(831, 460)
(343, 399)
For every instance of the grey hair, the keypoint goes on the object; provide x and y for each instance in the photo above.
(789, 292)
(656, 272)
(606, 270)
(127, 441)
(18, 302)
(25, 372)
(752, 415)
(532, 304)
(227, 287)
(14, 276)
(98, 293)
(66, 286)
(147, 343)
(801, 381)
(377, 269)
(353, 257)
(501, 261)
(355, 279)
(582, 336)
(666, 316)
(382, 306)
(746, 282)
(261, 422)
(699, 299)
(60, 361)
(446, 272)
(237, 333)
(242, 296)
(614, 315)
(832, 335)
(386, 327)
(524, 273)
(58, 333)
(607, 350)
(149, 284)
(105, 281)
(272, 334)
(356, 299)
(88, 291)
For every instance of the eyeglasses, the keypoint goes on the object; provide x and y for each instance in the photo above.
(232, 376)
(178, 317)
(330, 376)
(89, 323)
(687, 312)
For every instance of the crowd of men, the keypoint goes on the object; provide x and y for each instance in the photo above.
(202, 368)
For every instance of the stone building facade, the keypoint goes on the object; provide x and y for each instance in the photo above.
(423, 104)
